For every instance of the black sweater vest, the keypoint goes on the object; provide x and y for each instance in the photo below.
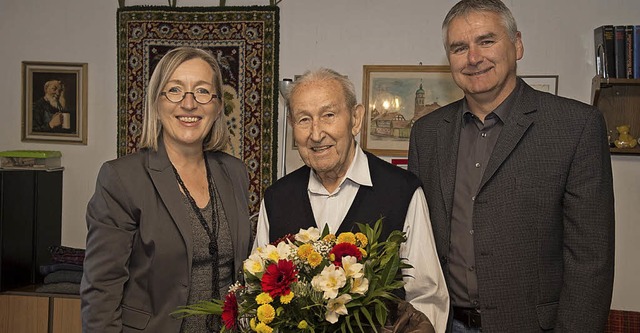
(289, 210)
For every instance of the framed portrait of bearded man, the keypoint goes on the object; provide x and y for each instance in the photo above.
(54, 102)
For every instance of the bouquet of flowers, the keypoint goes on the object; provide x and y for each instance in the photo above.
(314, 282)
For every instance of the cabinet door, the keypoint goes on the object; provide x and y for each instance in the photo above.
(24, 314)
(66, 315)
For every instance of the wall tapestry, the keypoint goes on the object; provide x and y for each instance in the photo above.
(245, 42)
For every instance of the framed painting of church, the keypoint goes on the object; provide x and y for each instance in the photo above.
(54, 102)
(395, 96)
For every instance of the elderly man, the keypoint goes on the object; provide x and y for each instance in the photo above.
(341, 184)
(48, 110)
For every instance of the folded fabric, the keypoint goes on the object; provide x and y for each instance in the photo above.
(50, 268)
(63, 276)
(60, 288)
(68, 255)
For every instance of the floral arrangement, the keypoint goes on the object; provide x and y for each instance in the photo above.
(313, 282)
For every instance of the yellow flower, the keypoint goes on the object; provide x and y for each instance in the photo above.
(266, 313)
(286, 299)
(314, 259)
(305, 250)
(303, 324)
(362, 239)
(252, 323)
(263, 328)
(264, 298)
(329, 238)
(363, 251)
(346, 237)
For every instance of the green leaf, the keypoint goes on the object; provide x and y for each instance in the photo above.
(381, 314)
(202, 308)
(325, 231)
(356, 314)
(366, 313)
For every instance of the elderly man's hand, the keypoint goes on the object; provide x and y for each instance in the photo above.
(409, 320)
(56, 120)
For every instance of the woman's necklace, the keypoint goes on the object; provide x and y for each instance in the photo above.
(212, 233)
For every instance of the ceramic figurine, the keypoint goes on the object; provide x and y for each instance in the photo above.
(625, 140)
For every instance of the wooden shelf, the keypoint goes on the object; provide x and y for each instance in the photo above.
(619, 102)
(27, 311)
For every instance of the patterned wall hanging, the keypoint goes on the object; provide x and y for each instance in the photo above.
(245, 42)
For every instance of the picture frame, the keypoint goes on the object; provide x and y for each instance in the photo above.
(54, 102)
(395, 96)
(546, 83)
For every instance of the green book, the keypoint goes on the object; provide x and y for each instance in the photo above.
(30, 159)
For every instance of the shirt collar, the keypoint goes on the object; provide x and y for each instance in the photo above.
(357, 173)
(502, 111)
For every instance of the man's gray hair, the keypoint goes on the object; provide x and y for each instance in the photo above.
(325, 74)
(466, 7)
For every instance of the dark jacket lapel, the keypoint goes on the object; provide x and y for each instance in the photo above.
(165, 182)
(228, 197)
(514, 129)
(447, 144)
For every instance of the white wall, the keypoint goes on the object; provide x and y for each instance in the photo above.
(344, 35)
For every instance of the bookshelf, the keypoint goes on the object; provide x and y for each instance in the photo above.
(619, 102)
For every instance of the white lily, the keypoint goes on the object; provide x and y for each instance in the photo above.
(254, 264)
(329, 281)
(336, 307)
(351, 267)
(360, 286)
(309, 235)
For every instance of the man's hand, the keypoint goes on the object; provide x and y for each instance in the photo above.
(56, 120)
(409, 320)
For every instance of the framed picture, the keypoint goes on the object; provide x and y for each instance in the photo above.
(395, 97)
(54, 102)
(546, 83)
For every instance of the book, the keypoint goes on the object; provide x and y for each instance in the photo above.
(30, 159)
(628, 49)
(604, 51)
(619, 51)
(636, 52)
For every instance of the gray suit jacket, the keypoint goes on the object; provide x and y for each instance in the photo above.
(543, 217)
(139, 245)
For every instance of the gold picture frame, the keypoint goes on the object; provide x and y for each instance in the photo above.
(54, 102)
(395, 96)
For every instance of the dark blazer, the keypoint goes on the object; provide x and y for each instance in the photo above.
(139, 244)
(543, 217)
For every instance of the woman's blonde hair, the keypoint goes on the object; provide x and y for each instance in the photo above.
(218, 136)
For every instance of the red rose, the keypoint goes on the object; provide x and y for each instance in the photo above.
(278, 277)
(343, 250)
(230, 311)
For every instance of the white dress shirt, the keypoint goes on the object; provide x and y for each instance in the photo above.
(425, 288)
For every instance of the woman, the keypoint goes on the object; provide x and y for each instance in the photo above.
(168, 225)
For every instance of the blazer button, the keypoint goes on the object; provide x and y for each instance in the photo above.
(444, 260)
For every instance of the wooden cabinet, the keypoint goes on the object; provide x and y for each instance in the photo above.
(39, 313)
(619, 102)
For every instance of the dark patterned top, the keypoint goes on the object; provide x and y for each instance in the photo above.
(201, 263)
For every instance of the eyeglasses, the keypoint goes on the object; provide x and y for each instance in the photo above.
(202, 97)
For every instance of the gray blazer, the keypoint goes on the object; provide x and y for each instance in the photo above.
(543, 217)
(139, 245)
